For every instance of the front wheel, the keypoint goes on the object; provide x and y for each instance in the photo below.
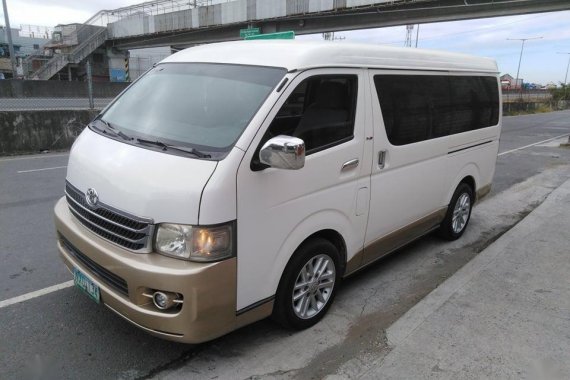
(458, 213)
(308, 285)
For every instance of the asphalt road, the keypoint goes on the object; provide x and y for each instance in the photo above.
(26, 104)
(63, 334)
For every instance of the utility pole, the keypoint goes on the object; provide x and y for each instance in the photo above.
(417, 35)
(9, 35)
(566, 77)
(90, 84)
(567, 67)
(520, 58)
(408, 42)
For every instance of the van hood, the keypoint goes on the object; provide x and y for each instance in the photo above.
(143, 182)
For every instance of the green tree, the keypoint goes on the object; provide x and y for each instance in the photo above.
(560, 93)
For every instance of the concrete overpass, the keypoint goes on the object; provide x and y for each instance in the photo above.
(209, 21)
(182, 23)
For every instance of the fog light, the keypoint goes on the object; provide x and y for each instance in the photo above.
(160, 300)
(165, 300)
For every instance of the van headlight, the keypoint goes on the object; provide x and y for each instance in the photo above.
(195, 243)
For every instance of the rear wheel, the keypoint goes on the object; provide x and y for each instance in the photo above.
(458, 213)
(308, 285)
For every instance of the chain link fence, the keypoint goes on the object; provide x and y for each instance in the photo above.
(36, 95)
(29, 95)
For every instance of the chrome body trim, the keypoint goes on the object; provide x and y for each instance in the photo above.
(283, 152)
(84, 220)
(350, 165)
(142, 230)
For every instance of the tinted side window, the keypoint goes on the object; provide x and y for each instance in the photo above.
(420, 107)
(480, 96)
(320, 111)
(406, 106)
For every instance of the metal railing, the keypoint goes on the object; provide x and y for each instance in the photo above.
(85, 48)
(148, 8)
(51, 67)
(80, 52)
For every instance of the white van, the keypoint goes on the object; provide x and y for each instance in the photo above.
(240, 180)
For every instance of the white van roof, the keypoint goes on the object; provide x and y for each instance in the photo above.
(299, 55)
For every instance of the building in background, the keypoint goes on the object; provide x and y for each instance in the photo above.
(28, 41)
(508, 82)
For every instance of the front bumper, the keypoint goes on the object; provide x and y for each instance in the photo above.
(208, 289)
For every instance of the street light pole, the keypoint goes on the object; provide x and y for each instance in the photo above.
(520, 58)
(8, 32)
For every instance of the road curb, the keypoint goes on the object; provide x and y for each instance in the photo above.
(400, 330)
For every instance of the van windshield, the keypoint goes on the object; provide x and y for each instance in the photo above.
(205, 106)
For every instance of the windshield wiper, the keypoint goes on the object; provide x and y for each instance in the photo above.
(164, 146)
(113, 130)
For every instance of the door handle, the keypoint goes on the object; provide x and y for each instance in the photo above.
(349, 165)
(381, 159)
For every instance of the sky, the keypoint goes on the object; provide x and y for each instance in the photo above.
(484, 37)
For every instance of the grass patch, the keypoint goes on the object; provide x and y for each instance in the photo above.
(515, 109)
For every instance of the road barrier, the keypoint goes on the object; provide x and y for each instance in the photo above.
(36, 131)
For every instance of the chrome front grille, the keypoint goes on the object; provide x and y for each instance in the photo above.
(114, 225)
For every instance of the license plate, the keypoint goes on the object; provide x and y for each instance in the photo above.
(85, 284)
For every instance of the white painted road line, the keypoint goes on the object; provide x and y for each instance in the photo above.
(39, 170)
(34, 157)
(37, 293)
(536, 143)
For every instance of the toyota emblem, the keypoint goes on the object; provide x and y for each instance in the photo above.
(91, 197)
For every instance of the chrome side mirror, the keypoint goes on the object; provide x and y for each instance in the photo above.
(283, 152)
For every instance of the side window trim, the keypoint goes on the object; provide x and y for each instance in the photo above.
(330, 145)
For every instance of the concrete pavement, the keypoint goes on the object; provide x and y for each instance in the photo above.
(504, 315)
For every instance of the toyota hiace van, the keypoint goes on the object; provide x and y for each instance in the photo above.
(239, 180)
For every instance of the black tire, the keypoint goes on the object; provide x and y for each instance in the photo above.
(283, 311)
(446, 229)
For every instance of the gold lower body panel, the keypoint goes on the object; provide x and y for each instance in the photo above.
(208, 289)
(391, 242)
